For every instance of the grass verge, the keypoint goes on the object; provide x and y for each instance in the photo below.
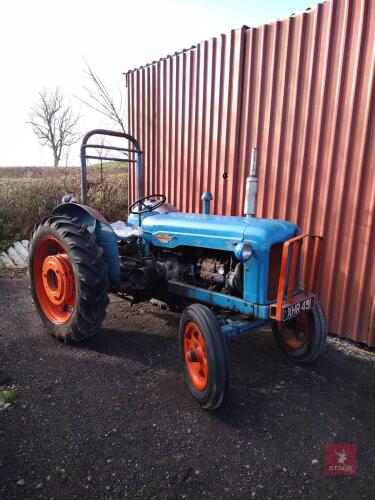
(27, 194)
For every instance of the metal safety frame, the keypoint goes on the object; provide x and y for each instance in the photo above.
(290, 263)
(84, 157)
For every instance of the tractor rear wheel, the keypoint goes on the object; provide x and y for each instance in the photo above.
(204, 356)
(68, 278)
(303, 338)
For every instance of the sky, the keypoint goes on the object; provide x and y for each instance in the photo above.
(44, 43)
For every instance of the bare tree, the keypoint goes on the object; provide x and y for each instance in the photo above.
(101, 142)
(54, 122)
(100, 100)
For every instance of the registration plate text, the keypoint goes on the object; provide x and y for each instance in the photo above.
(297, 308)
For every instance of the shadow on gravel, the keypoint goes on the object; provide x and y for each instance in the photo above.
(171, 319)
(267, 386)
(115, 409)
(263, 384)
(151, 350)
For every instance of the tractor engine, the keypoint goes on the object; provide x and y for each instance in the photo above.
(213, 270)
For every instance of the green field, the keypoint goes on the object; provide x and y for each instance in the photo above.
(28, 194)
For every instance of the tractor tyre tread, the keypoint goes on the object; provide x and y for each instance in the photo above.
(90, 272)
(316, 343)
(212, 397)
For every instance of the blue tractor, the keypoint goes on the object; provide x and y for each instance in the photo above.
(229, 274)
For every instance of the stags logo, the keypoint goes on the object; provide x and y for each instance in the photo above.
(340, 460)
(164, 238)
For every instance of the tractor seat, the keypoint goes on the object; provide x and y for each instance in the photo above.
(124, 231)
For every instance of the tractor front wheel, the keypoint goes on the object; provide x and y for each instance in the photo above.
(68, 278)
(204, 357)
(303, 338)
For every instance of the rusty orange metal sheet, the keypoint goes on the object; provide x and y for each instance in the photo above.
(302, 91)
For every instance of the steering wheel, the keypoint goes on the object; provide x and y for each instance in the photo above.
(147, 208)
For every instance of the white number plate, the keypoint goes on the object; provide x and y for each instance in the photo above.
(297, 308)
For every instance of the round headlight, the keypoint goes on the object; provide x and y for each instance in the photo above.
(243, 251)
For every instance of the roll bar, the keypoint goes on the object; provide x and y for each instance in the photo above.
(84, 157)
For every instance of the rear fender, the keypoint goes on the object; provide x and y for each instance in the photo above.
(105, 237)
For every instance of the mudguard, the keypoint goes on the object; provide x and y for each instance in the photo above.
(105, 237)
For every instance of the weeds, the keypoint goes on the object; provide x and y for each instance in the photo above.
(29, 194)
(7, 396)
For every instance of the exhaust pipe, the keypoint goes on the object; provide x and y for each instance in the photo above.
(251, 186)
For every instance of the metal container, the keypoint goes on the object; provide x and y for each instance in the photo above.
(301, 90)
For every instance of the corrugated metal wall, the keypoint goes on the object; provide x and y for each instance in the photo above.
(302, 91)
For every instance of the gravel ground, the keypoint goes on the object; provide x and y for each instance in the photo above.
(111, 418)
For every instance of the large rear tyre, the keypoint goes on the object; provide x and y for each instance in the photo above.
(303, 338)
(204, 356)
(68, 278)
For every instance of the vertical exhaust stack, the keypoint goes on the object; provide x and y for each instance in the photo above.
(251, 186)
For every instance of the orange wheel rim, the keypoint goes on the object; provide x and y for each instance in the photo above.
(297, 335)
(195, 356)
(54, 280)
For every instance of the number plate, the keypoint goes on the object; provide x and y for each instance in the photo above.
(293, 310)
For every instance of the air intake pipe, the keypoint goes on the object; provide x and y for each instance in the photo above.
(251, 186)
(206, 198)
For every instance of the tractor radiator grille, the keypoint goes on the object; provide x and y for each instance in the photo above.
(274, 270)
(274, 267)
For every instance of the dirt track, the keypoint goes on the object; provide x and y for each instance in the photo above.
(111, 418)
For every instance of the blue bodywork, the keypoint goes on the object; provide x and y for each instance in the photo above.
(219, 232)
(176, 229)
(248, 239)
(105, 237)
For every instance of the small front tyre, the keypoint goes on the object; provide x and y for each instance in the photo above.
(303, 338)
(204, 357)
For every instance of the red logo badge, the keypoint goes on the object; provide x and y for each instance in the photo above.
(340, 460)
